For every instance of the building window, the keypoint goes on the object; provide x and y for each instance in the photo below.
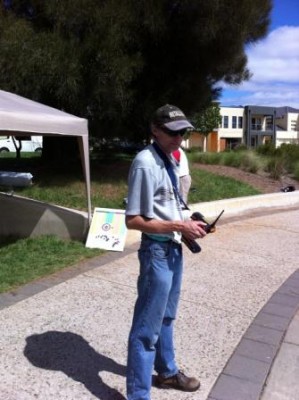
(231, 143)
(256, 124)
(269, 123)
(293, 125)
(225, 121)
(234, 123)
(240, 122)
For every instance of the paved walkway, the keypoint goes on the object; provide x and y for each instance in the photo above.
(65, 337)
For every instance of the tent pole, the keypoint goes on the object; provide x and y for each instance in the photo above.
(84, 152)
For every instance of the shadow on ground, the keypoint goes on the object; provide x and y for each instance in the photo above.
(71, 353)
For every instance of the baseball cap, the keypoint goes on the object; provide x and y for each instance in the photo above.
(172, 118)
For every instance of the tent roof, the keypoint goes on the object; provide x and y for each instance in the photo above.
(22, 116)
(18, 114)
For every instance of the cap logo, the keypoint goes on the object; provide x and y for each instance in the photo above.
(173, 114)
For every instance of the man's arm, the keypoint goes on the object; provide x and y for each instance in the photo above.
(190, 229)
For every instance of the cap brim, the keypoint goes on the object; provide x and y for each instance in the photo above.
(178, 125)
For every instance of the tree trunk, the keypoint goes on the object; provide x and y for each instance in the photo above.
(204, 143)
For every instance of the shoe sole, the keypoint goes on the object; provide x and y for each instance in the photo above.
(161, 386)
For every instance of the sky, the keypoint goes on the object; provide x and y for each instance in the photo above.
(274, 63)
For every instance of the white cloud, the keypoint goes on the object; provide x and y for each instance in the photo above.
(281, 41)
(277, 57)
(274, 63)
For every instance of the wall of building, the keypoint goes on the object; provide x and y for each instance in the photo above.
(230, 130)
(291, 137)
(196, 140)
(293, 122)
(282, 122)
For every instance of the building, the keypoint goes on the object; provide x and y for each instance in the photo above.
(251, 126)
(231, 131)
(287, 125)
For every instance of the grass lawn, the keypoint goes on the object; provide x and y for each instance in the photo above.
(28, 259)
(109, 183)
(210, 187)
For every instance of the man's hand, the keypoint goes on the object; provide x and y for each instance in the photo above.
(193, 229)
(190, 229)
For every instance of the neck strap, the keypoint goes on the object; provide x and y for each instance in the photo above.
(170, 171)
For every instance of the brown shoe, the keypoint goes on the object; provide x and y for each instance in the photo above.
(179, 382)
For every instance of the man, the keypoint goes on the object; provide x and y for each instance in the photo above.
(184, 173)
(154, 208)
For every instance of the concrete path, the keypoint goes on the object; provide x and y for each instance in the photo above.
(65, 337)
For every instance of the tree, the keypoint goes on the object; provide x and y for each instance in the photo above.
(206, 121)
(18, 146)
(114, 62)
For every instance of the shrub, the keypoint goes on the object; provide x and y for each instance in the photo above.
(246, 160)
(283, 159)
(232, 159)
(291, 150)
(267, 149)
(275, 167)
(206, 158)
(296, 170)
(241, 147)
(290, 155)
(194, 149)
(277, 162)
(251, 162)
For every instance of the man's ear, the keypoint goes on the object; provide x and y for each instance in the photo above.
(154, 130)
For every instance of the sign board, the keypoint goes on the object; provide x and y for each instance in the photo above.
(108, 230)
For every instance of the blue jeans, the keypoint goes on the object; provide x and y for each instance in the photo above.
(151, 337)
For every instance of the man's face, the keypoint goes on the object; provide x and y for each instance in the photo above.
(169, 141)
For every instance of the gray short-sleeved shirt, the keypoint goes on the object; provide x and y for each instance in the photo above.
(151, 192)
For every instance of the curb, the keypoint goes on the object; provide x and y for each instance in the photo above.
(246, 372)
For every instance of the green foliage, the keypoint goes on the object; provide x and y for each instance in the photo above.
(206, 158)
(246, 160)
(240, 147)
(281, 160)
(275, 167)
(276, 162)
(296, 170)
(231, 159)
(251, 162)
(207, 120)
(267, 149)
(114, 62)
(289, 154)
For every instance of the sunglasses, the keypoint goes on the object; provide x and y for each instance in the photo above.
(182, 132)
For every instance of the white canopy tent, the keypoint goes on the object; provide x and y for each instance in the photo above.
(20, 116)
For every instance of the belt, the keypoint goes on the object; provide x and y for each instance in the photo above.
(157, 238)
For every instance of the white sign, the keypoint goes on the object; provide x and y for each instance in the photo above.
(108, 230)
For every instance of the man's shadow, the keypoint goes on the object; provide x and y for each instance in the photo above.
(71, 354)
